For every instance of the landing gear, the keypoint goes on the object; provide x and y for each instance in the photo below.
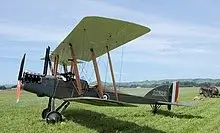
(52, 114)
(45, 112)
(155, 107)
(106, 96)
(53, 117)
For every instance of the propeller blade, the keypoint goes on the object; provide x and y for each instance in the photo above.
(19, 85)
(21, 68)
(46, 60)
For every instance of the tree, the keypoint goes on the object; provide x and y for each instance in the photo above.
(2, 87)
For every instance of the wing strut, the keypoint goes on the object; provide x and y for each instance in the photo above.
(100, 87)
(75, 70)
(56, 60)
(112, 73)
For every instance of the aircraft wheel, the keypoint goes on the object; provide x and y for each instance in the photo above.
(53, 117)
(45, 112)
(106, 96)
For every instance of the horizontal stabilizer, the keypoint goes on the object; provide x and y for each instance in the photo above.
(177, 103)
(99, 102)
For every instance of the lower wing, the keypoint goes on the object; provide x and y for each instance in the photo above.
(99, 102)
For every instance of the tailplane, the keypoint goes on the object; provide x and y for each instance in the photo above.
(165, 95)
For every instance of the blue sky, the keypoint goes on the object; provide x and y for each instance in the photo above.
(183, 42)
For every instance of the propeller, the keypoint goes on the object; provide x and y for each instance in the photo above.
(19, 83)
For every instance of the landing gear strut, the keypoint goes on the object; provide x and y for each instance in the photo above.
(155, 107)
(52, 114)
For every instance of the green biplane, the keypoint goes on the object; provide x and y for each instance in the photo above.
(91, 38)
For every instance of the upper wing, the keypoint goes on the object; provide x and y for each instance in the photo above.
(99, 102)
(177, 103)
(96, 33)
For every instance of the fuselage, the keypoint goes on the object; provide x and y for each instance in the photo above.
(60, 88)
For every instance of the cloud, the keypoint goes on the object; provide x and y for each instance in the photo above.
(30, 32)
(171, 42)
(162, 27)
(176, 29)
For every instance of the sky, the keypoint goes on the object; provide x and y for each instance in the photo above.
(183, 42)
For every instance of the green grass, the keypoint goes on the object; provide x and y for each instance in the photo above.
(25, 116)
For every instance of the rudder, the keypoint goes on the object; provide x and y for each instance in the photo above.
(174, 93)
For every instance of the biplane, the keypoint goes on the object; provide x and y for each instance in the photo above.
(94, 36)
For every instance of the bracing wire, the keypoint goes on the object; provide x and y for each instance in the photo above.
(121, 65)
(82, 66)
(100, 59)
(106, 73)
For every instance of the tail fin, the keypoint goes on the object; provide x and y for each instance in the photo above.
(174, 93)
(164, 93)
(159, 93)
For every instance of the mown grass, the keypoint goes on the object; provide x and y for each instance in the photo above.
(25, 116)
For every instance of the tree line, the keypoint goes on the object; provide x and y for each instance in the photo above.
(4, 87)
(181, 84)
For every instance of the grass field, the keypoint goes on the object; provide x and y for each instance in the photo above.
(25, 116)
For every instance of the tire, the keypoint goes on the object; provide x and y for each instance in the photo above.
(44, 113)
(53, 117)
(106, 96)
